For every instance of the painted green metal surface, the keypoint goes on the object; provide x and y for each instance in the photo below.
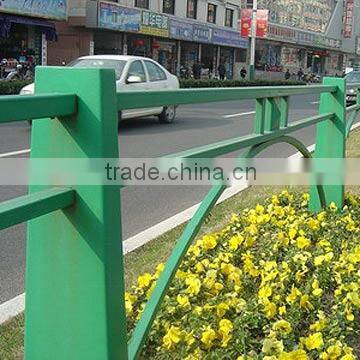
(28, 107)
(298, 145)
(148, 316)
(259, 116)
(24, 208)
(235, 144)
(74, 278)
(131, 100)
(74, 269)
(330, 143)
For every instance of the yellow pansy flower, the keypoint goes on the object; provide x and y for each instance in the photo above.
(282, 326)
(303, 242)
(207, 337)
(314, 341)
(144, 280)
(172, 337)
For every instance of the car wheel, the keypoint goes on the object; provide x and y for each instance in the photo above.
(168, 114)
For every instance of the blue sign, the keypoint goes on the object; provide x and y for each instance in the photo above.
(202, 33)
(181, 30)
(43, 8)
(112, 16)
(230, 38)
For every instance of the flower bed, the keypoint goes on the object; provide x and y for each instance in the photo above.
(276, 283)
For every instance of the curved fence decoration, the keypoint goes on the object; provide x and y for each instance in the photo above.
(74, 274)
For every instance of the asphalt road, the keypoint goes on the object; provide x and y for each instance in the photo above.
(144, 206)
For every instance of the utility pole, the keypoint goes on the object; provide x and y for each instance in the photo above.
(253, 41)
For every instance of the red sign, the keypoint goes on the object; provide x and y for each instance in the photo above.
(246, 21)
(349, 18)
(262, 22)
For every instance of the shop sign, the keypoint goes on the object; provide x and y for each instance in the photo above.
(154, 24)
(202, 33)
(348, 18)
(112, 16)
(326, 42)
(245, 23)
(311, 15)
(56, 9)
(230, 38)
(280, 33)
(305, 38)
(181, 30)
(262, 22)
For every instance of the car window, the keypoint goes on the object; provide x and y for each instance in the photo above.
(353, 77)
(137, 69)
(117, 65)
(155, 72)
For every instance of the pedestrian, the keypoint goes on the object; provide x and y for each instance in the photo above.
(222, 71)
(287, 75)
(243, 72)
(300, 74)
(197, 70)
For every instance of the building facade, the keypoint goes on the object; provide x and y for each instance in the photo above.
(26, 28)
(319, 36)
(176, 33)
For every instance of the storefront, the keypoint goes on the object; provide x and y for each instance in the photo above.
(176, 44)
(189, 54)
(291, 58)
(268, 56)
(316, 61)
(227, 58)
(108, 43)
(209, 59)
(164, 52)
(23, 42)
(25, 30)
(139, 45)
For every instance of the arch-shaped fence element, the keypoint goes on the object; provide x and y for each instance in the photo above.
(75, 275)
(298, 145)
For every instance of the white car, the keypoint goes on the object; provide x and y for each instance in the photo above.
(133, 73)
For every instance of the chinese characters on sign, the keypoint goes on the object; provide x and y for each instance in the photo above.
(312, 15)
(349, 18)
(262, 22)
(245, 23)
(154, 24)
(119, 18)
(56, 9)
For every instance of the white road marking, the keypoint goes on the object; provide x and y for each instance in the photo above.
(315, 102)
(14, 153)
(237, 115)
(16, 305)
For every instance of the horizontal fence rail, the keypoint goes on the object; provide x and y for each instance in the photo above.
(131, 100)
(28, 207)
(77, 278)
(228, 146)
(28, 107)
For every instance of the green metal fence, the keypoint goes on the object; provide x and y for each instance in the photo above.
(74, 264)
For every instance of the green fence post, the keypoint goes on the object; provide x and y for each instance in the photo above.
(74, 279)
(330, 144)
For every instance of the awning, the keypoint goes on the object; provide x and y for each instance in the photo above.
(46, 27)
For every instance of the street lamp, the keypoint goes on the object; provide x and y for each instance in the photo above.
(253, 41)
